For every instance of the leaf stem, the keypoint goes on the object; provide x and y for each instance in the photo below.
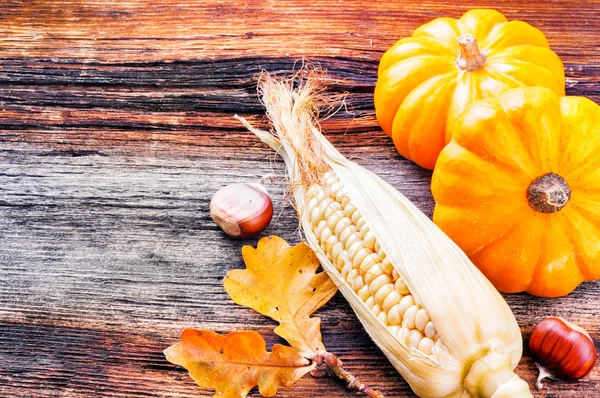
(329, 365)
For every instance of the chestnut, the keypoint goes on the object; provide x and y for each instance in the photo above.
(561, 350)
(242, 210)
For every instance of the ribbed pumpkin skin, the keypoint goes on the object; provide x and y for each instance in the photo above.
(499, 147)
(421, 91)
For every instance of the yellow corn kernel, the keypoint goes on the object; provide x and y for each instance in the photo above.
(373, 272)
(369, 240)
(323, 205)
(421, 319)
(395, 315)
(394, 329)
(368, 262)
(352, 239)
(333, 220)
(363, 293)
(390, 300)
(401, 286)
(378, 282)
(359, 257)
(425, 345)
(430, 330)
(387, 266)
(344, 223)
(326, 234)
(349, 210)
(383, 292)
(320, 227)
(356, 217)
(413, 338)
(406, 302)
(334, 207)
(408, 321)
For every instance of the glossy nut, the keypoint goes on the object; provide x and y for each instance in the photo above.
(561, 350)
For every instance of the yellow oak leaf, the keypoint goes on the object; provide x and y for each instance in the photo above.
(280, 281)
(234, 364)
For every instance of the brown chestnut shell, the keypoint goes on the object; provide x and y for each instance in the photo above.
(562, 350)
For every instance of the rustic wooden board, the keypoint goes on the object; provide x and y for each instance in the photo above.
(115, 129)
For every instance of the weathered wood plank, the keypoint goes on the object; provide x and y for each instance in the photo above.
(147, 30)
(115, 129)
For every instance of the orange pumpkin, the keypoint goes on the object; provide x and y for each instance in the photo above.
(518, 189)
(427, 80)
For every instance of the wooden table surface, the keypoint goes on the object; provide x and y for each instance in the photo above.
(116, 127)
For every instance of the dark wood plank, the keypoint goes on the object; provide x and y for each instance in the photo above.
(116, 126)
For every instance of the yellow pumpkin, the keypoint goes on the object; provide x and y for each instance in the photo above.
(427, 80)
(518, 189)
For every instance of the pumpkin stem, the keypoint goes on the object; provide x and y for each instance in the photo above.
(469, 58)
(548, 193)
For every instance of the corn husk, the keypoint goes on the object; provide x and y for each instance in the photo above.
(482, 342)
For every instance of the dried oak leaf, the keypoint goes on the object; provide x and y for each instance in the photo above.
(280, 281)
(234, 364)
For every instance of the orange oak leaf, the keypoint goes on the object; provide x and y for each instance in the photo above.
(280, 281)
(234, 364)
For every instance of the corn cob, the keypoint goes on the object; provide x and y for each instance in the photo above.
(349, 244)
(434, 315)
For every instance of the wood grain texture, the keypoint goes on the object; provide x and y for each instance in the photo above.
(116, 126)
